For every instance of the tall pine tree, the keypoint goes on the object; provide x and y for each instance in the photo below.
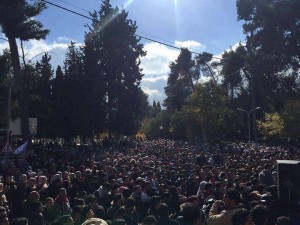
(111, 40)
(180, 83)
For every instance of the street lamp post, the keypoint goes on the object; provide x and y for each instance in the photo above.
(248, 115)
(161, 130)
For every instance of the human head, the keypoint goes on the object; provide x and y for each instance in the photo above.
(241, 217)
(34, 196)
(49, 202)
(19, 221)
(90, 199)
(42, 180)
(129, 204)
(118, 222)
(36, 206)
(283, 220)
(231, 198)
(118, 199)
(23, 178)
(163, 210)
(87, 213)
(62, 193)
(3, 216)
(76, 212)
(192, 214)
(259, 215)
(149, 220)
(155, 200)
(95, 221)
(65, 220)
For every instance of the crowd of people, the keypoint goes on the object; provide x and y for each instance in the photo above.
(146, 182)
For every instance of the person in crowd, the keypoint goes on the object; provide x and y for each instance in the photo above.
(95, 221)
(35, 216)
(192, 215)
(3, 216)
(116, 204)
(130, 216)
(19, 221)
(241, 217)
(219, 216)
(34, 196)
(284, 220)
(49, 211)
(164, 218)
(259, 215)
(31, 186)
(86, 213)
(61, 203)
(201, 159)
(76, 214)
(42, 186)
(64, 220)
(265, 176)
(150, 220)
(11, 193)
(98, 210)
(21, 194)
(152, 180)
(153, 209)
(142, 170)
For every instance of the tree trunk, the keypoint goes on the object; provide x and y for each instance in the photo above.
(21, 91)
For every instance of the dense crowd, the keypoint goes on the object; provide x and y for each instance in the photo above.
(145, 182)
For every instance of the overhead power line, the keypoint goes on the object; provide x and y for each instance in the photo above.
(75, 6)
(69, 10)
(140, 36)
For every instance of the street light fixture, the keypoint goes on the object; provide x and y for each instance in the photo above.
(248, 115)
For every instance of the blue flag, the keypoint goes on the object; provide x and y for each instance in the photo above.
(21, 148)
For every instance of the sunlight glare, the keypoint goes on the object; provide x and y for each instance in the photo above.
(175, 3)
(177, 16)
(128, 3)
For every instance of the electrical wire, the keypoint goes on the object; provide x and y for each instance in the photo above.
(140, 36)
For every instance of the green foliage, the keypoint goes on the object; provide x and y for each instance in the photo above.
(5, 82)
(73, 99)
(16, 21)
(291, 117)
(208, 106)
(274, 29)
(232, 64)
(204, 67)
(272, 126)
(180, 83)
(157, 126)
(180, 124)
(43, 94)
(113, 57)
(282, 125)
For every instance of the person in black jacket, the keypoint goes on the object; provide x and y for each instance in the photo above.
(164, 218)
(35, 216)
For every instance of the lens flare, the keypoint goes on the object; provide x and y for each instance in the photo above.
(129, 2)
(176, 3)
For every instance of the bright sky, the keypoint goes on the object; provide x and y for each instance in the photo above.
(200, 25)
